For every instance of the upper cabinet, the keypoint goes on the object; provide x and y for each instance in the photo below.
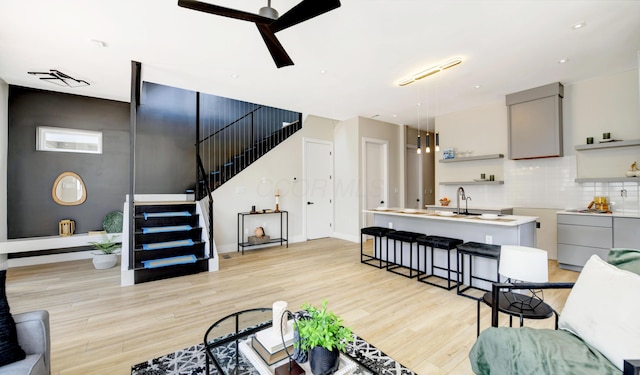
(535, 122)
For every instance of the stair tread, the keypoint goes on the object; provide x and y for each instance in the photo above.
(195, 242)
(165, 229)
(139, 266)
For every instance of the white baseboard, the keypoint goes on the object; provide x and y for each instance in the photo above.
(346, 237)
(51, 258)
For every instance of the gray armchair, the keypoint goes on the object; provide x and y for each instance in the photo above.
(33, 337)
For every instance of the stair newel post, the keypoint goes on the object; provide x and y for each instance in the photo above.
(210, 227)
(136, 84)
(198, 188)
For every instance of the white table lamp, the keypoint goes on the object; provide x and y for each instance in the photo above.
(525, 264)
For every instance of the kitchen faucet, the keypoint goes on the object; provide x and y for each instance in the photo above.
(460, 194)
(466, 205)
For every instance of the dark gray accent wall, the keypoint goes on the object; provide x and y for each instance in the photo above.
(165, 140)
(31, 211)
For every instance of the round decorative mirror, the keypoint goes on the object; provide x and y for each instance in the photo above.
(69, 190)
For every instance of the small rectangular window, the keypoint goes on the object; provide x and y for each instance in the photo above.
(68, 140)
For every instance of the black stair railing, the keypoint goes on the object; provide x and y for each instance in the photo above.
(230, 148)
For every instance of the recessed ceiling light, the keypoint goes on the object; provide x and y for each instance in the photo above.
(394, 116)
(323, 72)
(234, 76)
(477, 86)
(98, 43)
(562, 61)
(578, 25)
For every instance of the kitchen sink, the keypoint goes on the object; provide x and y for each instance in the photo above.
(466, 213)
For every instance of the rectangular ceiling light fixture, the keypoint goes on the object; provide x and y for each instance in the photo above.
(68, 140)
(431, 71)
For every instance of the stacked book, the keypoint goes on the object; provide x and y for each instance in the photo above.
(268, 344)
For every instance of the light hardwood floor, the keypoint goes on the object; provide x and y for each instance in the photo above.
(98, 327)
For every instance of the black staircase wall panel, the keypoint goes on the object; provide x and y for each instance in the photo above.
(166, 133)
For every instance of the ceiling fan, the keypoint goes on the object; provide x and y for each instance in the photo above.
(268, 22)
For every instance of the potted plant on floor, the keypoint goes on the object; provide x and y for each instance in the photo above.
(324, 336)
(106, 254)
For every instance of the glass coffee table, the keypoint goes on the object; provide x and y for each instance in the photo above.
(225, 345)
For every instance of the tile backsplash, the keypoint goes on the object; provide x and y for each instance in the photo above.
(548, 183)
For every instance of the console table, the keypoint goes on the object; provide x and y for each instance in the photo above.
(284, 224)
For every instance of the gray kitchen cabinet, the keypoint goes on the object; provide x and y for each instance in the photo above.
(626, 232)
(580, 237)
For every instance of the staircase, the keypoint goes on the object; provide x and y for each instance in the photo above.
(167, 241)
(230, 158)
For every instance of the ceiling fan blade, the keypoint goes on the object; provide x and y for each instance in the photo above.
(222, 11)
(279, 55)
(305, 10)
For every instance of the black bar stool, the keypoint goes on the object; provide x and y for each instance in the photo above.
(402, 236)
(377, 233)
(475, 249)
(438, 242)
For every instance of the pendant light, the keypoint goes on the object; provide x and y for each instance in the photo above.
(419, 148)
(434, 123)
(428, 148)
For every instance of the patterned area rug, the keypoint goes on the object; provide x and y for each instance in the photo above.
(191, 361)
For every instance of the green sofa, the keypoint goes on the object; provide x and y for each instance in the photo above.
(599, 329)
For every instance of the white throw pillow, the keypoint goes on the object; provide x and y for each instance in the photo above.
(602, 309)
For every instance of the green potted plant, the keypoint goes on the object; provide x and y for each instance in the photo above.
(324, 336)
(106, 254)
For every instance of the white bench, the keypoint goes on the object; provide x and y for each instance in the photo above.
(34, 244)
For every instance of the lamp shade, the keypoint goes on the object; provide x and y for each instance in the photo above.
(524, 263)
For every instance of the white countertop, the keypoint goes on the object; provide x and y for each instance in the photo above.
(504, 220)
(613, 214)
(452, 205)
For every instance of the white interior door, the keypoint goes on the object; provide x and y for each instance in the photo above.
(376, 176)
(413, 197)
(318, 189)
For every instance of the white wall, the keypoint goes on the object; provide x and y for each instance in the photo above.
(348, 187)
(280, 169)
(539, 186)
(346, 148)
(4, 134)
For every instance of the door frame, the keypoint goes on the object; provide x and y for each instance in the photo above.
(421, 188)
(385, 152)
(306, 141)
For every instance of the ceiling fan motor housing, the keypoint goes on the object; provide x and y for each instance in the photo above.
(269, 12)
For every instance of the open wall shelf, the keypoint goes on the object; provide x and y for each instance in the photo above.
(472, 183)
(613, 144)
(608, 179)
(470, 158)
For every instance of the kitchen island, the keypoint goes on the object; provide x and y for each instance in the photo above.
(499, 230)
